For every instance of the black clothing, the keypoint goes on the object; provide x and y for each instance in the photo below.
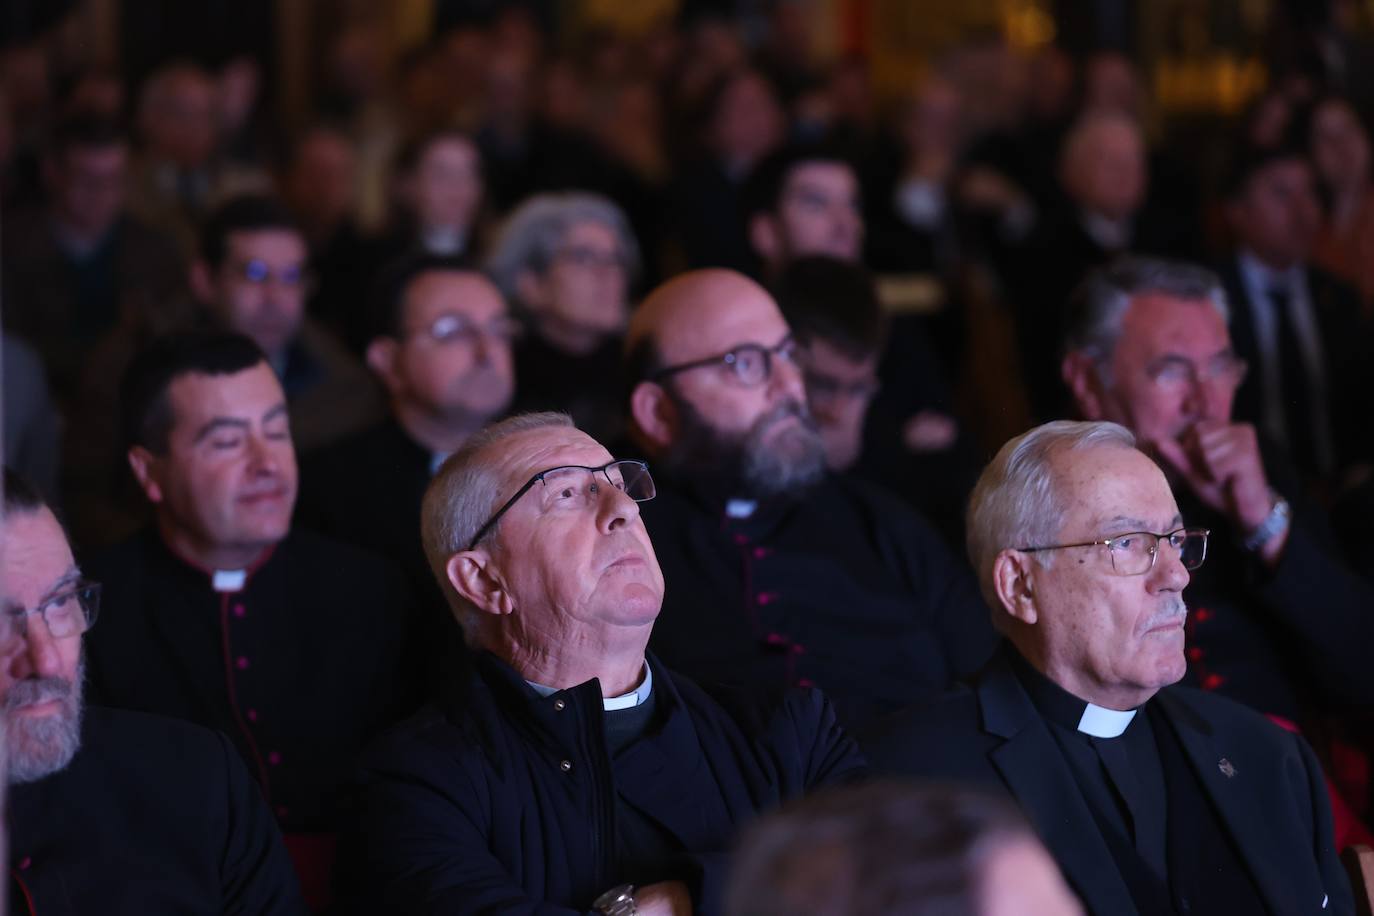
(498, 799)
(843, 588)
(1346, 361)
(587, 387)
(1248, 821)
(151, 816)
(299, 667)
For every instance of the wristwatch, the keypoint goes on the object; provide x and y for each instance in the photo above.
(618, 901)
(1274, 523)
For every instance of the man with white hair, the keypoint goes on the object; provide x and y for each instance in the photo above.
(568, 771)
(1152, 797)
(108, 811)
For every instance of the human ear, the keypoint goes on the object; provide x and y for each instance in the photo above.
(1012, 578)
(478, 582)
(654, 414)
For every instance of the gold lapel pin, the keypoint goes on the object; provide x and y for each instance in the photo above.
(1227, 768)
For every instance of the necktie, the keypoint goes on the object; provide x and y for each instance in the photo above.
(1295, 388)
(1147, 824)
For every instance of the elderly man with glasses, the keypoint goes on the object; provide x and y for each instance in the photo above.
(1153, 798)
(781, 574)
(1279, 622)
(568, 771)
(112, 812)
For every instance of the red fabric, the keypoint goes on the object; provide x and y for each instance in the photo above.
(313, 856)
(1349, 829)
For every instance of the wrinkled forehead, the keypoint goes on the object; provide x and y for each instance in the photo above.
(248, 394)
(1107, 490)
(522, 455)
(35, 557)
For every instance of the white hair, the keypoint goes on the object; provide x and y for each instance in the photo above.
(1015, 503)
(463, 495)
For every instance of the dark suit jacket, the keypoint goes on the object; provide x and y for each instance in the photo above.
(1345, 344)
(151, 816)
(1274, 805)
(497, 800)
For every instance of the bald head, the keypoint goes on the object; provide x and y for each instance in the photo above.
(719, 391)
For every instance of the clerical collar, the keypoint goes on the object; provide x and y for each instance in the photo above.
(1066, 710)
(629, 700)
(436, 461)
(740, 508)
(228, 580)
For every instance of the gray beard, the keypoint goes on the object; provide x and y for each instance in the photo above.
(38, 747)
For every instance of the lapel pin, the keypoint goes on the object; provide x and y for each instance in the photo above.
(1227, 768)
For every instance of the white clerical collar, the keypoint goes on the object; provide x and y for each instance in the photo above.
(740, 508)
(228, 580)
(1101, 722)
(611, 704)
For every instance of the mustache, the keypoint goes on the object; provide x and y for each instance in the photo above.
(1174, 612)
(790, 408)
(33, 691)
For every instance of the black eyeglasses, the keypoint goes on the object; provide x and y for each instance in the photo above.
(1133, 553)
(752, 363)
(68, 613)
(576, 486)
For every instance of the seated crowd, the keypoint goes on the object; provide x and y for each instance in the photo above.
(684, 493)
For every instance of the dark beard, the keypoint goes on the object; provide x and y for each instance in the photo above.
(746, 466)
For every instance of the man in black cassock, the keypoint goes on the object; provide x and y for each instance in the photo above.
(221, 614)
(781, 574)
(1153, 798)
(108, 811)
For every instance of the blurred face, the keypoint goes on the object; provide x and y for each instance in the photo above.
(839, 390)
(1172, 367)
(227, 482)
(448, 185)
(40, 683)
(1111, 639)
(1277, 214)
(749, 123)
(1106, 169)
(571, 565)
(818, 212)
(586, 284)
(761, 436)
(1340, 146)
(1020, 879)
(182, 126)
(88, 187)
(320, 185)
(260, 287)
(453, 359)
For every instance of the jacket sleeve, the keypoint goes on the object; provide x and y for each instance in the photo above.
(1330, 612)
(1335, 883)
(256, 873)
(420, 850)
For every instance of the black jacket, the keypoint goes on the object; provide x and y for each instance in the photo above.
(300, 668)
(151, 816)
(1273, 804)
(496, 800)
(844, 588)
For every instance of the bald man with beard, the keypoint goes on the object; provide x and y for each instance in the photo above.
(782, 575)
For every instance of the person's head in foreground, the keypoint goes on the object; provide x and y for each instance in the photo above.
(718, 394)
(1082, 556)
(47, 607)
(895, 849)
(533, 530)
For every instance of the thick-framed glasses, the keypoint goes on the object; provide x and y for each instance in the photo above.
(751, 363)
(452, 328)
(576, 486)
(70, 612)
(1133, 553)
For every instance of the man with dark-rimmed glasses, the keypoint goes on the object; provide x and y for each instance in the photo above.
(1153, 797)
(782, 574)
(568, 770)
(112, 812)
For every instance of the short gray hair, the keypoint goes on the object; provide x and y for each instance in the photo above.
(1098, 306)
(1015, 503)
(530, 236)
(464, 494)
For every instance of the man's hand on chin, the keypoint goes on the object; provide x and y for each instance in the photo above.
(666, 898)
